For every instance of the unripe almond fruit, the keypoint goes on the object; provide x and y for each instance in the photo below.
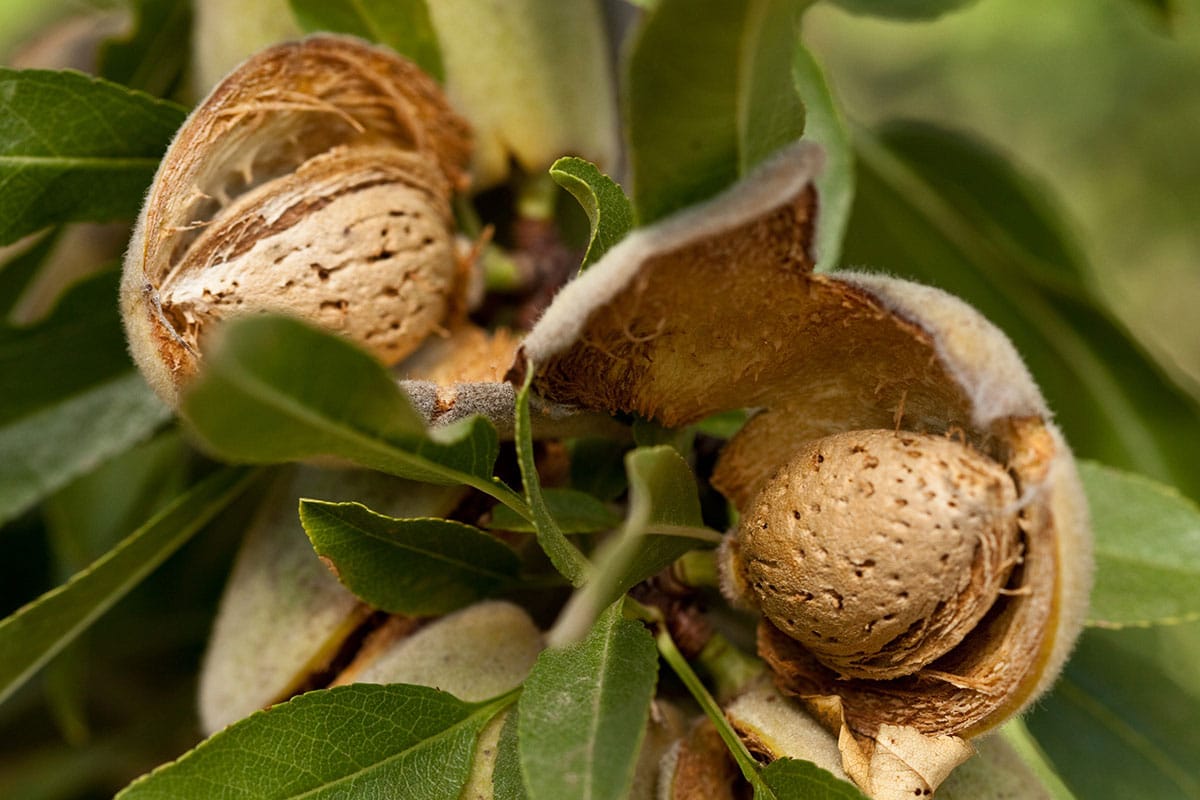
(879, 551)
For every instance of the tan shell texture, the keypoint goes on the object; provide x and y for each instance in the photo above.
(943, 480)
(315, 181)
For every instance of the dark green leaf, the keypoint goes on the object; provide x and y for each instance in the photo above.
(709, 94)
(1118, 726)
(353, 741)
(402, 25)
(664, 522)
(274, 389)
(789, 779)
(1114, 404)
(34, 634)
(407, 566)
(75, 148)
(903, 9)
(598, 467)
(42, 452)
(565, 557)
(153, 56)
(583, 712)
(1147, 550)
(23, 262)
(835, 184)
(573, 510)
(608, 210)
(506, 775)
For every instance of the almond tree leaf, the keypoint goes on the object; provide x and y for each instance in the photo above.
(609, 212)
(402, 25)
(75, 148)
(993, 242)
(507, 782)
(903, 9)
(1117, 725)
(19, 263)
(565, 557)
(789, 779)
(835, 185)
(573, 510)
(583, 712)
(664, 522)
(273, 389)
(151, 58)
(35, 633)
(361, 740)
(1147, 550)
(408, 566)
(709, 94)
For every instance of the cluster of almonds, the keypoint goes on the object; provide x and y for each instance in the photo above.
(912, 527)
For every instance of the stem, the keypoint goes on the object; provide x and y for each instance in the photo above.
(732, 669)
(537, 196)
(697, 569)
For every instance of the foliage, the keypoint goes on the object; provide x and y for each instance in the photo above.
(92, 504)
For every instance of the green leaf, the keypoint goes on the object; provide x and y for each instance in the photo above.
(402, 25)
(352, 741)
(789, 779)
(1147, 550)
(21, 263)
(835, 185)
(75, 148)
(507, 782)
(931, 206)
(573, 510)
(583, 712)
(152, 57)
(408, 566)
(608, 210)
(598, 467)
(664, 522)
(903, 9)
(1118, 726)
(274, 389)
(565, 557)
(709, 94)
(34, 634)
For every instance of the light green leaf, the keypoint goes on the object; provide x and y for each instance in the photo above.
(34, 634)
(903, 9)
(41, 452)
(709, 94)
(565, 557)
(573, 510)
(608, 210)
(835, 184)
(935, 206)
(664, 522)
(789, 779)
(407, 566)
(583, 712)
(75, 148)
(507, 782)
(402, 25)
(1117, 726)
(151, 58)
(274, 389)
(352, 741)
(1147, 550)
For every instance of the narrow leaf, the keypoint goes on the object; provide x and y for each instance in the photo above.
(709, 94)
(583, 712)
(565, 557)
(34, 634)
(402, 25)
(835, 185)
(75, 148)
(1147, 550)
(274, 390)
(1118, 726)
(152, 57)
(407, 566)
(573, 510)
(789, 779)
(507, 782)
(664, 522)
(352, 741)
(609, 212)
(903, 9)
